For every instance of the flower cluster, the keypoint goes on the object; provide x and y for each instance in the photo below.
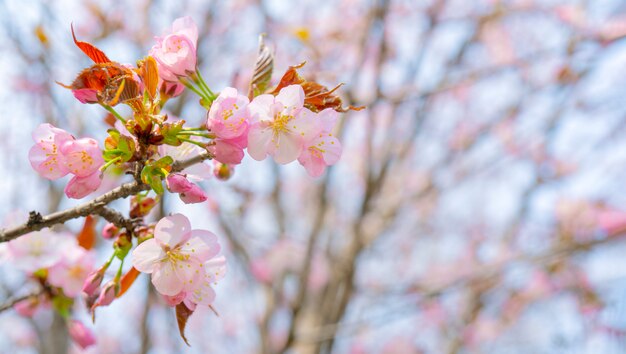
(57, 153)
(292, 121)
(57, 261)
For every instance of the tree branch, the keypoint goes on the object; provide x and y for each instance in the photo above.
(37, 222)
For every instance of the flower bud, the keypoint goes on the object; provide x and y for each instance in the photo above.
(93, 281)
(109, 231)
(80, 334)
(107, 294)
(223, 171)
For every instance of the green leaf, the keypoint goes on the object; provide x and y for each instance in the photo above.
(170, 132)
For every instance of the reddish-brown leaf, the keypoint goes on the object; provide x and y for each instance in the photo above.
(87, 236)
(127, 280)
(182, 315)
(150, 75)
(90, 50)
(316, 96)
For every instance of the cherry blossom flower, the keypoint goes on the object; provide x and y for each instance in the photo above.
(176, 255)
(45, 156)
(57, 153)
(175, 52)
(72, 270)
(80, 334)
(281, 125)
(40, 249)
(324, 149)
(229, 114)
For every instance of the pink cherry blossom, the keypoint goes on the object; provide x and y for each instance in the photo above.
(229, 114)
(324, 149)
(83, 157)
(80, 334)
(281, 125)
(70, 273)
(40, 249)
(175, 52)
(80, 187)
(176, 255)
(45, 156)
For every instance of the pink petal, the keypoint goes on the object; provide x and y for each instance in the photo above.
(260, 107)
(292, 97)
(147, 255)
(172, 230)
(202, 246)
(80, 187)
(165, 280)
(288, 148)
(259, 141)
(82, 157)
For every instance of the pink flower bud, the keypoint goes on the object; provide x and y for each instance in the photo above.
(177, 183)
(107, 294)
(109, 231)
(80, 334)
(28, 307)
(190, 193)
(92, 283)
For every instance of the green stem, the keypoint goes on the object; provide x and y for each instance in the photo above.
(114, 112)
(192, 88)
(205, 135)
(119, 271)
(192, 142)
(106, 165)
(202, 83)
(108, 263)
(193, 129)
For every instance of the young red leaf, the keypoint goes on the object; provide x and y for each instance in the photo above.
(90, 50)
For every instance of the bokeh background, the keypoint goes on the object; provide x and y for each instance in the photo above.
(479, 205)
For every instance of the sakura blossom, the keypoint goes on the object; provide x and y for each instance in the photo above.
(323, 149)
(175, 51)
(71, 272)
(176, 255)
(281, 125)
(57, 153)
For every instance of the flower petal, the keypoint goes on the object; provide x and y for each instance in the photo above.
(147, 255)
(172, 230)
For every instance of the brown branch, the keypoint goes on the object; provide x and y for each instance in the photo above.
(37, 222)
(9, 303)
